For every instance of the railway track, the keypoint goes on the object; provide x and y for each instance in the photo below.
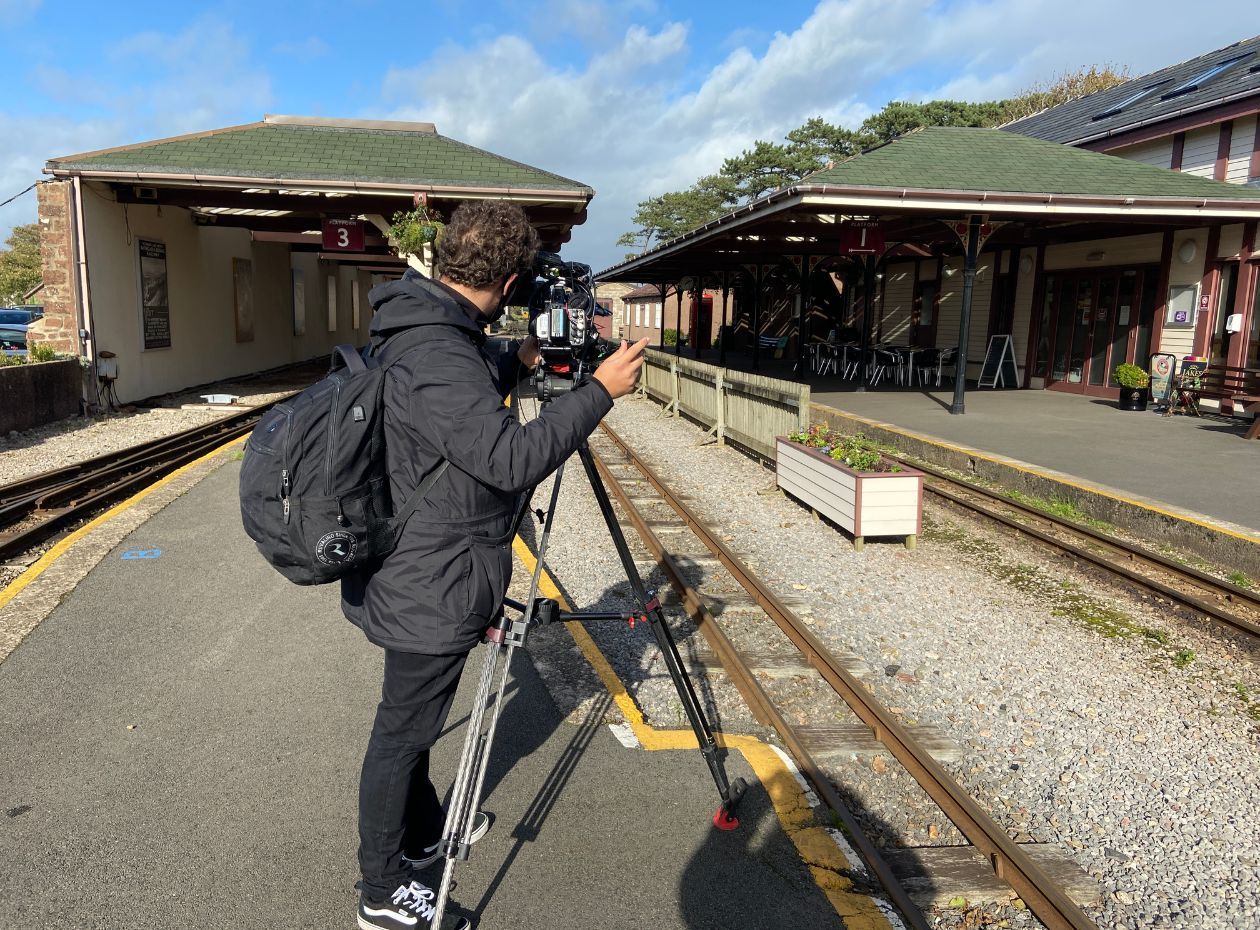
(1196, 591)
(35, 508)
(637, 488)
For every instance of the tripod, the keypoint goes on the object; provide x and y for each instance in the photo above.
(507, 635)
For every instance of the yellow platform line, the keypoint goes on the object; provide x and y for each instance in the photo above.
(817, 849)
(1059, 477)
(52, 555)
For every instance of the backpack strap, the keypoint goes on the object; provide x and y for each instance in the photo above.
(417, 497)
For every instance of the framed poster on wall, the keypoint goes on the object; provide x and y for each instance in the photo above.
(299, 302)
(155, 305)
(1182, 302)
(243, 298)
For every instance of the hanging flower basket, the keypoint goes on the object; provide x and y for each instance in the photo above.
(848, 481)
(412, 231)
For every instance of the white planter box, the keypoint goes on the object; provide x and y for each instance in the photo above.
(862, 503)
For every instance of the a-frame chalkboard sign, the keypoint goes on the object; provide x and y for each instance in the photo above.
(999, 369)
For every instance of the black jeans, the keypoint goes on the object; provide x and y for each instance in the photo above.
(399, 810)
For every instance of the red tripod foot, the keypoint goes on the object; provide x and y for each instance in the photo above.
(724, 819)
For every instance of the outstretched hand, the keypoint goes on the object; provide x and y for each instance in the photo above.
(619, 372)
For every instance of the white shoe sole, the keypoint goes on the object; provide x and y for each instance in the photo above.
(462, 925)
(481, 828)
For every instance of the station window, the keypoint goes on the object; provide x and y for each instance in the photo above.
(658, 315)
(1204, 76)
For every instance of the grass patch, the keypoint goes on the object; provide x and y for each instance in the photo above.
(1183, 657)
(1239, 579)
(236, 456)
(1057, 507)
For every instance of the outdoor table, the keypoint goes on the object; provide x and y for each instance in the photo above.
(1251, 404)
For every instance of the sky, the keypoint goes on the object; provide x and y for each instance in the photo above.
(633, 97)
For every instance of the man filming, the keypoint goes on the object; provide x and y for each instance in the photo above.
(430, 601)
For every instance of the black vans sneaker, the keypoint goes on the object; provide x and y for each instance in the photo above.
(431, 854)
(408, 908)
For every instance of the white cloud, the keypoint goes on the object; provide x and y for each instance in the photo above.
(624, 124)
(158, 85)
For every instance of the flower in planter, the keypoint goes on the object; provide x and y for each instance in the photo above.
(412, 230)
(856, 452)
(1131, 376)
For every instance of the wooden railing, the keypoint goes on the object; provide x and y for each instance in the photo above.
(746, 409)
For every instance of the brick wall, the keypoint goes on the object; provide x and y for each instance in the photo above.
(60, 326)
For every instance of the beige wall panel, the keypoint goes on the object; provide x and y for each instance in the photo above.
(1157, 152)
(202, 319)
(1231, 241)
(1124, 250)
(1190, 272)
(951, 310)
(1198, 156)
(898, 303)
(1240, 146)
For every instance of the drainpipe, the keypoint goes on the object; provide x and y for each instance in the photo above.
(83, 306)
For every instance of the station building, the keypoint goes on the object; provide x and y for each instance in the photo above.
(221, 253)
(1086, 260)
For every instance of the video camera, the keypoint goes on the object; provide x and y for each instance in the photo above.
(561, 302)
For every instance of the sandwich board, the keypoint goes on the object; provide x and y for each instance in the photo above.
(999, 368)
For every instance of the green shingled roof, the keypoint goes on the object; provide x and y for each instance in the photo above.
(288, 151)
(961, 159)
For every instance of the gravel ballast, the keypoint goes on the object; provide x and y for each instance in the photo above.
(1088, 718)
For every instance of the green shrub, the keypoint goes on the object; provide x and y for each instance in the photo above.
(41, 352)
(1131, 376)
(671, 337)
(412, 230)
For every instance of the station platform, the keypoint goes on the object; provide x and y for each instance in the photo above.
(1201, 466)
(180, 738)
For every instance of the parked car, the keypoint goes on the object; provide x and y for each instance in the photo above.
(13, 324)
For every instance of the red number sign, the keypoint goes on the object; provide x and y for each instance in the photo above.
(863, 237)
(342, 235)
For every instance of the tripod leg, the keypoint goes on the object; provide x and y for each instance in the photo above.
(475, 761)
(730, 792)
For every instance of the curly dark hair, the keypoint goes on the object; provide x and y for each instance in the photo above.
(485, 241)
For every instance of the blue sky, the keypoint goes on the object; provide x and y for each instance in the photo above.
(634, 97)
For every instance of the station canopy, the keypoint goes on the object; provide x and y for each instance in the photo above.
(281, 176)
(921, 186)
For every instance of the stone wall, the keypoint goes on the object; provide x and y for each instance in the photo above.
(60, 325)
(39, 393)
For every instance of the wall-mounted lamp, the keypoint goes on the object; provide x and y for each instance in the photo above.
(1187, 251)
(1026, 265)
(1096, 256)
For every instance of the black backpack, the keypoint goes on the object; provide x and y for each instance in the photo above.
(314, 489)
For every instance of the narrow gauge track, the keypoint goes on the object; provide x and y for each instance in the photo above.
(1049, 902)
(1193, 589)
(34, 508)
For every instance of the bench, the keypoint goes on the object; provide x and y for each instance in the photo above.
(1250, 403)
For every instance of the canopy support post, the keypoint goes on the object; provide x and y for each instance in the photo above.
(868, 306)
(974, 222)
(664, 293)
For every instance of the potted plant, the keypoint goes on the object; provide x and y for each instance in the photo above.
(1133, 382)
(412, 231)
(848, 480)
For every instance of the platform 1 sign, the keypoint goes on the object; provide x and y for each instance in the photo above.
(862, 237)
(342, 235)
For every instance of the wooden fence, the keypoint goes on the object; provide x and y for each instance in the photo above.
(746, 409)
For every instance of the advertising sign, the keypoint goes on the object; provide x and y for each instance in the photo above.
(342, 235)
(155, 306)
(1163, 370)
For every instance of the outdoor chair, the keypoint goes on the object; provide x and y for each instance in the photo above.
(945, 363)
(927, 362)
(882, 362)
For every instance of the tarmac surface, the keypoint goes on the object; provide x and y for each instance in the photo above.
(1197, 464)
(180, 743)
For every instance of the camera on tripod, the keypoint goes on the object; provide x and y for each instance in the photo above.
(561, 302)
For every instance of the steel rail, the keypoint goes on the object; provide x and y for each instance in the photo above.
(68, 493)
(1047, 901)
(763, 708)
(1223, 590)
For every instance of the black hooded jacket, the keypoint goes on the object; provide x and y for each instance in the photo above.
(442, 586)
